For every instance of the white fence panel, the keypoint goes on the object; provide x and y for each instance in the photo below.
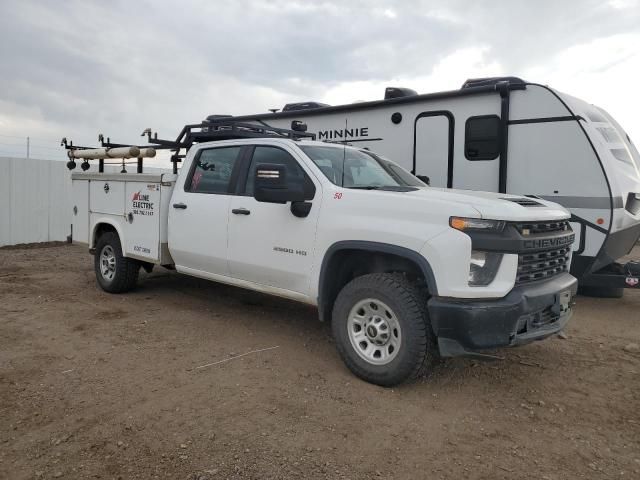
(35, 198)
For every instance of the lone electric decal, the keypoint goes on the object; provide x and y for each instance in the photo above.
(141, 204)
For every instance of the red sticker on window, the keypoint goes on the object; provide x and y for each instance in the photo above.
(195, 181)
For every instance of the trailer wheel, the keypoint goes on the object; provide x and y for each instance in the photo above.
(115, 273)
(601, 292)
(382, 330)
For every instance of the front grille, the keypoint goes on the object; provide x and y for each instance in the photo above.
(534, 266)
(532, 228)
(538, 319)
(545, 317)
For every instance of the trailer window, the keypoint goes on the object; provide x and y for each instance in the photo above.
(482, 138)
(212, 170)
(622, 154)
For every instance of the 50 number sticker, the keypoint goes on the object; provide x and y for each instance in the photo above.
(337, 196)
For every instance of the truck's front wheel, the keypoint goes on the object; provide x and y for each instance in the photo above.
(114, 272)
(381, 329)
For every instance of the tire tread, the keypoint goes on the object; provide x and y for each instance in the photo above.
(127, 269)
(414, 299)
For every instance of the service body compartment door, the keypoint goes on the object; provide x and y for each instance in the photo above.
(107, 197)
(80, 211)
(433, 149)
(142, 220)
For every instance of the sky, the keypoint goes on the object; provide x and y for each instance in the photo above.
(78, 68)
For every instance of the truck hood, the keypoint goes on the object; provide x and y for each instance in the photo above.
(496, 206)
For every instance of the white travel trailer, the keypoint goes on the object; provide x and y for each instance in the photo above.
(509, 136)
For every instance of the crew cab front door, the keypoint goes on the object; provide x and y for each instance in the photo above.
(268, 245)
(199, 211)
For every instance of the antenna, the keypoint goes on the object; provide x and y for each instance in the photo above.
(344, 152)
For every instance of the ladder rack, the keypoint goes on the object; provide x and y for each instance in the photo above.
(207, 131)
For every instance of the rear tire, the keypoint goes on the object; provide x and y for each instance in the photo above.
(114, 272)
(382, 330)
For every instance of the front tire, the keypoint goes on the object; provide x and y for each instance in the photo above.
(114, 272)
(382, 330)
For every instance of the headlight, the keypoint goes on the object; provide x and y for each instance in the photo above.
(483, 267)
(476, 224)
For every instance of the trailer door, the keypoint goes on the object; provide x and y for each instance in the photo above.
(433, 147)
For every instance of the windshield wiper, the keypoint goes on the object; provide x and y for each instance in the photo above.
(367, 187)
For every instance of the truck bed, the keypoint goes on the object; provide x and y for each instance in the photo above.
(136, 205)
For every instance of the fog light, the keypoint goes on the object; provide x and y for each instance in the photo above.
(483, 267)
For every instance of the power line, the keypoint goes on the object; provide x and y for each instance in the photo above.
(12, 136)
(47, 139)
(42, 145)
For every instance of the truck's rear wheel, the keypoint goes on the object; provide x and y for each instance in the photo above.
(382, 330)
(114, 272)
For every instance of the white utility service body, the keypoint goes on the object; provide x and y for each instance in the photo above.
(136, 205)
(505, 135)
(311, 248)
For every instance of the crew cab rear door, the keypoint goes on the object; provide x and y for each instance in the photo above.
(199, 211)
(269, 245)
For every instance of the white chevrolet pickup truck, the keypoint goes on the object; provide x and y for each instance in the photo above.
(405, 273)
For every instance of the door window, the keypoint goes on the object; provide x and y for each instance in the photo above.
(277, 156)
(212, 170)
(482, 138)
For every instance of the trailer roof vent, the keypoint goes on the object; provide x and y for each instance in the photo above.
(292, 107)
(514, 82)
(214, 119)
(398, 92)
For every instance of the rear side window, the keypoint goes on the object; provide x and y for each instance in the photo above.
(482, 138)
(212, 170)
(277, 156)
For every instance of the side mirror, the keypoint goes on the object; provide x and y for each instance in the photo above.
(424, 178)
(298, 126)
(271, 185)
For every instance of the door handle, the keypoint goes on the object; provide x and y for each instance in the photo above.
(179, 205)
(241, 211)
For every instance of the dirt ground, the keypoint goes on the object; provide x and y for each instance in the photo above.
(94, 385)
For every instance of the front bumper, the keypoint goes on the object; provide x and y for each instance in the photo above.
(529, 312)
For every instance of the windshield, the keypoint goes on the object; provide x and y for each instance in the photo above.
(361, 170)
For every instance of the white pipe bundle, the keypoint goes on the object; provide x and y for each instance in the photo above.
(117, 152)
(147, 153)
